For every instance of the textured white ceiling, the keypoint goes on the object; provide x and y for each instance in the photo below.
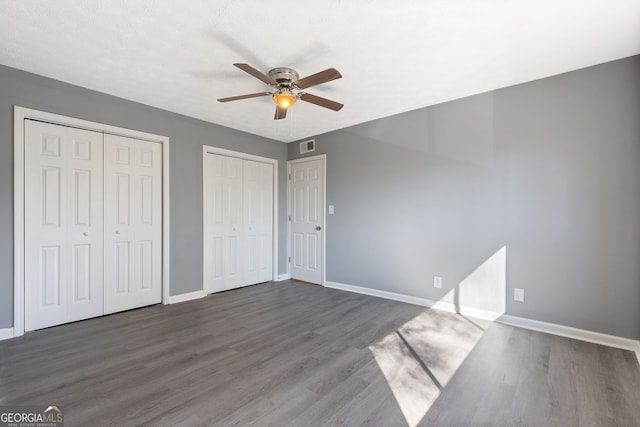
(395, 56)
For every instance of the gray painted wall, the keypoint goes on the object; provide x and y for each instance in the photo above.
(549, 170)
(187, 138)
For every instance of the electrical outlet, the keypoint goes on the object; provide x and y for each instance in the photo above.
(518, 294)
(437, 282)
(331, 210)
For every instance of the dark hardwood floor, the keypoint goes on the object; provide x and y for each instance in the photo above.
(295, 354)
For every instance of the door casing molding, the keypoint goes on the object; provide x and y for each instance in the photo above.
(19, 116)
(323, 235)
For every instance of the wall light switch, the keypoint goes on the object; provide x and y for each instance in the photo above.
(437, 282)
(331, 210)
(518, 294)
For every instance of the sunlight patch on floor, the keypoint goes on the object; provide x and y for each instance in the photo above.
(411, 385)
(422, 356)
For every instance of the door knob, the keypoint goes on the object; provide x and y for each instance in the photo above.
(85, 234)
(117, 231)
(318, 228)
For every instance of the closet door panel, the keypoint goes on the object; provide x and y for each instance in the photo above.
(222, 196)
(133, 223)
(258, 221)
(234, 248)
(148, 223)
(213, 224)
(63, 224)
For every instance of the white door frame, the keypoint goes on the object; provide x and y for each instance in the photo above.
(207, 149)
(19, 115)
(322, 157)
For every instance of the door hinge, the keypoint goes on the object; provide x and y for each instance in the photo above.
(289, 217)
(289, 177)
(289, 259)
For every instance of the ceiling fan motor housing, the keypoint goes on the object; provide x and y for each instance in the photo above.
(284, 76)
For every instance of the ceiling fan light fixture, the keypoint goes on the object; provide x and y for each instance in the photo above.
(284, 98)
(285, 81)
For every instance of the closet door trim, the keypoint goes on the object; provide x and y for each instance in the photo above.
(20, 114)
(244, 156)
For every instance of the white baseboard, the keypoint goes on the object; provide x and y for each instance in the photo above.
(377, 293)
(466, 311)
(282, 277)
(575, 333)
(521, 322)
(6, 333)
(439, 305)
(186, 297)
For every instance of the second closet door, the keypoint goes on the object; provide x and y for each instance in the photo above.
(238, 222)
(132, 223)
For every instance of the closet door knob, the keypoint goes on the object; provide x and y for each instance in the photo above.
(85, 234)
(117, 231)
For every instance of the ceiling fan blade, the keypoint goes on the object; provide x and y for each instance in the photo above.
(251, 95)
(323, 102)
(257, 74)
(281, 113)
(318, 78)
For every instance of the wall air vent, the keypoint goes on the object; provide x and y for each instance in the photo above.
(308, 146)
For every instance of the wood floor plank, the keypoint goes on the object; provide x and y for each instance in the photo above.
(287, 353)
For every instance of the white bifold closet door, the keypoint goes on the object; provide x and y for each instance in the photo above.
(93, 224)
(238, 222)
(132, 223)
(63, 224)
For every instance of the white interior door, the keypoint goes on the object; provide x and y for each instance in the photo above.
(63, 224)
(307, 218)
(132, 223)
(223, 246)
(258, 221)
